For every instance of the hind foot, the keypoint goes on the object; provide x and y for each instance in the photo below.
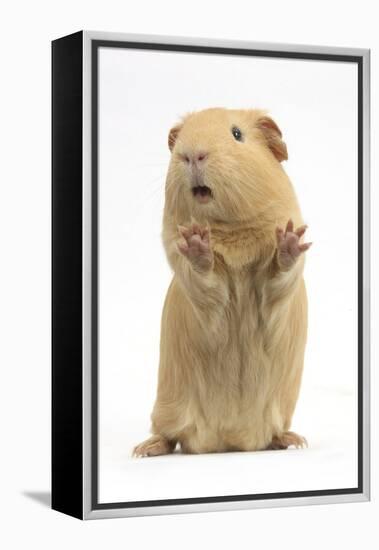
(287, 439)
(154, 446)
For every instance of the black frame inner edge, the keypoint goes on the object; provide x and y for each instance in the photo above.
(95, 45)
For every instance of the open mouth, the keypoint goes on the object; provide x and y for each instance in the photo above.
(202, 193)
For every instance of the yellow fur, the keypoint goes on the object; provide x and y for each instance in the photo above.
(232, 338)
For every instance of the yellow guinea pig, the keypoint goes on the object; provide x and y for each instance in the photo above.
(234, 322)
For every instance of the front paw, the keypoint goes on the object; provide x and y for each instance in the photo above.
(195, 246)
(289, 246)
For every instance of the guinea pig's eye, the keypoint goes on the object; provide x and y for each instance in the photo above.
(237, 134)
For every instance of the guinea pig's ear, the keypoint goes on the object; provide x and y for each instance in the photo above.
(273, 136)
(173, 134)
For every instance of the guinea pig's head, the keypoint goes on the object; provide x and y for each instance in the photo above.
(225, 166)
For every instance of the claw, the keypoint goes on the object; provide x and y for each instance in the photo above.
(305, 246)
(289, 228)
(301, 230)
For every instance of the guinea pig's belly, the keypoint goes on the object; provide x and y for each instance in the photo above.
(230, 408)
(222, 428)
(227, 400)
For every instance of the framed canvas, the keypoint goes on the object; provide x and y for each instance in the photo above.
(205, 355)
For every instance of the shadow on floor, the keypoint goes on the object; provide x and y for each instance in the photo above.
(42, 497)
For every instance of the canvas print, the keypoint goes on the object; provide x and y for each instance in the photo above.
(210, 275)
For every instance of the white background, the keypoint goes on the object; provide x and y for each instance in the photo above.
(25, 276)
(315, 104)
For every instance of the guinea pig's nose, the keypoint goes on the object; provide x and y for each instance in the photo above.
(195, 158)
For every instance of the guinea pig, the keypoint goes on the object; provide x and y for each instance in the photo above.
(234, 322)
